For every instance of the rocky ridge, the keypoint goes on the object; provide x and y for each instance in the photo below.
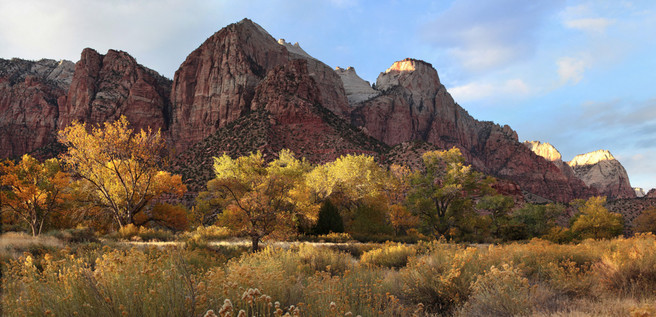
(357, 89)
(415, 106)
(30, 96)
(105, 87)
(600, 170)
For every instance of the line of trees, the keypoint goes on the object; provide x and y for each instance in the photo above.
(114, 173)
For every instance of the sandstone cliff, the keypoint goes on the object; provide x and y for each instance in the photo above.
(415, 106)
(600, 170)
(30, 94)
(640, 192)
(357, 89)
(285, 112)
(549, 153)
(104, 87)
(216, 83)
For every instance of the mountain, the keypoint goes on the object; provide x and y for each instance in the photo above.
(30, 96)
(104, 87)
(216, 84)
(600, 170)
(640, 192)
(241, 91)
(414, 106)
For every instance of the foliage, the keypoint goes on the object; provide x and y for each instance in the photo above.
(261, 199)
(123, 168)
(329, 219)
(498, 207)
(401, 219)
(34, 190)
(171, 217)
(646, 221)
(443, 191)
(390, 255)
(596, 222)
(502, 291)
(536, 220)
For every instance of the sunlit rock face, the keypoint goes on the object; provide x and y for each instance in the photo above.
(600, 170)
(549, 152)
(414, 106)
(106, 87)
(640, 192)
(30, 94)
(357, 89)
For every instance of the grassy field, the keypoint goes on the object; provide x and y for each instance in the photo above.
(47, 276)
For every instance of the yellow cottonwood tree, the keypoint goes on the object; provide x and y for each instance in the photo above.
(123, 167)
(260, 199)
(33, 190)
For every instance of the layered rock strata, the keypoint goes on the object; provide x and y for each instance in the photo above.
(415, 106)
(30, 96)
(105, 87)
(600, 170)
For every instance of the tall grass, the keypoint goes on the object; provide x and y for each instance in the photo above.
(613, 278)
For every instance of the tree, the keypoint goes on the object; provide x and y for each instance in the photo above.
(445, 189)
(536, 220)
(32, 190)
(646, 221)
(123, 168)
(596, 222)
(329, 219)
(498, 207)
(260, 199)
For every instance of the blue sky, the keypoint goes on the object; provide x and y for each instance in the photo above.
(578, 74)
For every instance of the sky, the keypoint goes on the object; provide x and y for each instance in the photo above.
(578, 74)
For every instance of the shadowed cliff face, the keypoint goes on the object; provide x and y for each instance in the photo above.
(30, 95)
(415, 106)
(104, 87)
(216, 83)
(600, 170)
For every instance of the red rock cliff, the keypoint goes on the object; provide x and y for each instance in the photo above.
(414, 105)
(104, 87)
(216, 83)
(30, 93)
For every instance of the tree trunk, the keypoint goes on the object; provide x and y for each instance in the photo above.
(255, 242)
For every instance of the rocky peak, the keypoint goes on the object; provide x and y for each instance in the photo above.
(412, 74)
(357, 89)
(104, 87)
(640, 192)
(591, 158)
(30, 94)
(216, 84)
(294, 48)
(545, 150)
(600, 170)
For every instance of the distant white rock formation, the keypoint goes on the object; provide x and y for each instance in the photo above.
(549, 152)
(357, 89)
(294, 48)
(599, 169)
(640, 192)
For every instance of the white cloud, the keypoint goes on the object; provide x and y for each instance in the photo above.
(512, 88)
(592, 25)
(571, 69)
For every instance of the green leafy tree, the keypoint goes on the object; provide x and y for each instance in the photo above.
(124, 169)
(329, 219)
(498, 207)
(533, 220)
(596, 222)
(443, 191)
(260, 199)
(33, 191)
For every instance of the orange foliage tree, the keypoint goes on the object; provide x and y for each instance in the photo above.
(260, 199)
(33, 190)
(123, 167)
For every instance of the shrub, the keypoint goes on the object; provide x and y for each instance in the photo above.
(440, 279)
(629, 266)
(391, 255)
(502, 291)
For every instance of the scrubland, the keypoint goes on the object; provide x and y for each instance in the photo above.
(48, 276)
